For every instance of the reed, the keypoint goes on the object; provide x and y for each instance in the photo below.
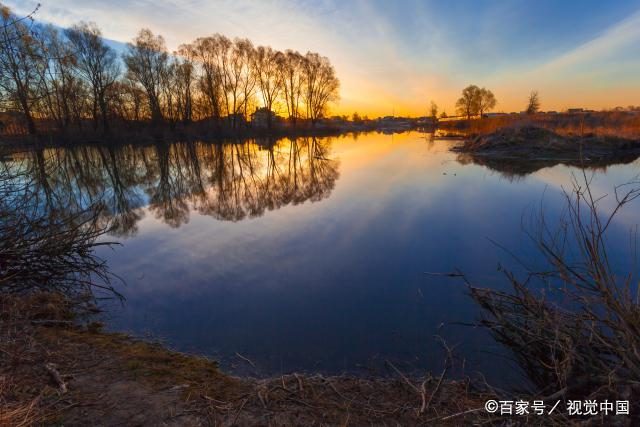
(579, 337)
(615, 124)
(44, 250)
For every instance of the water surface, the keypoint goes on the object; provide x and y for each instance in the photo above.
(311, 254)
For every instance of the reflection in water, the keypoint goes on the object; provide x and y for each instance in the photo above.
(229, 181)
(513, 168)
(328, 286)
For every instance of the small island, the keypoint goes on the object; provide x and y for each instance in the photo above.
(537, 143)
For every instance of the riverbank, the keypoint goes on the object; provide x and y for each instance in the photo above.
(536, 143)
(202, 131)
(56, 370)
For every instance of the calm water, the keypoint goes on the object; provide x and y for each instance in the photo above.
(311, 254)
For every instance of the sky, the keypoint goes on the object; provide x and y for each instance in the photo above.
(396, 57)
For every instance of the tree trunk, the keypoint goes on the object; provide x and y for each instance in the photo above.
(104, 112)
(31, 125)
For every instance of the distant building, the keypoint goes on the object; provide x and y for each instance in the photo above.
(488, 115)
(261, 117)
(575, 110)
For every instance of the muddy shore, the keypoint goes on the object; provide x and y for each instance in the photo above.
(57, 371)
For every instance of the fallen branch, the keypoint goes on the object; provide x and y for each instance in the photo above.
(51, 368)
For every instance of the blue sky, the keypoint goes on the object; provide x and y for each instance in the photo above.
(397, 56)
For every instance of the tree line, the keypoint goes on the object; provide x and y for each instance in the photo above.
(72, 79)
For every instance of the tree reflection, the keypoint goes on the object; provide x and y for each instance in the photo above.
(229, 181)
(515, 169)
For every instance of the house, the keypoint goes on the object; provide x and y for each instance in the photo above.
(263, 117)
(575, 110)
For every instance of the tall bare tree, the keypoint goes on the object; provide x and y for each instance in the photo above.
(184, 76)
(467, 104)
(98, 65)
(60, 81)
(321, 85)
(147, 61)
(204, 53)
(248, 75)
(292, 80)
(486, 101)
(266, 61)
(21, 64)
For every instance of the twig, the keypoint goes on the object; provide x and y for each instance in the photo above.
(51, 368)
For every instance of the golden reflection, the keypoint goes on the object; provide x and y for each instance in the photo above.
(229, 181)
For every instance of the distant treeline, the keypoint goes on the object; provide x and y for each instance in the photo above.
(70, 80)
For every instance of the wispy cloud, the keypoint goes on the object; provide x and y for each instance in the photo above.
(609, 44)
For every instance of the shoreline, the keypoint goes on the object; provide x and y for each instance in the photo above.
(69, 373)
(199, 133)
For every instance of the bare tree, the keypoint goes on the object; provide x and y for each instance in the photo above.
(236, 72)
(222, 56)
(184, 76)
(147, 60)
(321, 85)
(486, 101)
(59, 80)
(291, 69)
(467, 104)
(433, 110)
(204, 52)
(534, 103)
(98, 65)
(247, 77)
(21, 64)
(265, 67)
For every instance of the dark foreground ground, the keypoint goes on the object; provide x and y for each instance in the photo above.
(55, 372)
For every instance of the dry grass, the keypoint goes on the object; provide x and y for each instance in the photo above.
(44, 249)
(616, 124)
(16, 414)
(578, 337)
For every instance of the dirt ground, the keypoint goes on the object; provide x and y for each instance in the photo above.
(54, 372)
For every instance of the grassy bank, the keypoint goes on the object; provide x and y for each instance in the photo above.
(534, 142)
(521, 145)
(613, 124)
